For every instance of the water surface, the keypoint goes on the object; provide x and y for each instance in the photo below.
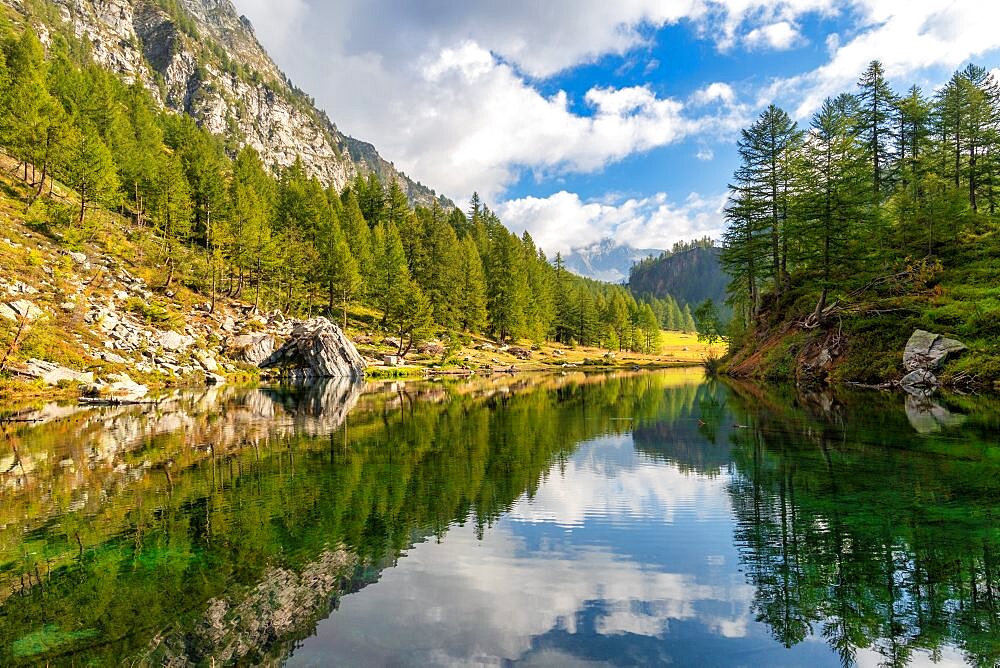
(628, 519)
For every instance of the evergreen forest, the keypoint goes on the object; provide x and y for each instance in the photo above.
(879, 216)
(97, 152)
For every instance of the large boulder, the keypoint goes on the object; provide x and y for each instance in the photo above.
(19, 310)
(52, 374)
(174, 342)
(317, 348)
(250, 348)
(926, 350)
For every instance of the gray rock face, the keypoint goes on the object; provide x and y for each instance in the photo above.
(52, 374)
(173, 341)
(317, 348)
(139, 40)
(919, 383)
(250, 348)
(19, 310)
(926, 350)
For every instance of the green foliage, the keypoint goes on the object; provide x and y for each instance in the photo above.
(218, 220)
(154, 313)
(878, 180)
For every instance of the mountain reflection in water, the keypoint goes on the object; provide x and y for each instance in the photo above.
(629, 519)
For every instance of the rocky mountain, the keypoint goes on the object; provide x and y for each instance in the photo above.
(200, 57)
(691, 276)
(606, 260)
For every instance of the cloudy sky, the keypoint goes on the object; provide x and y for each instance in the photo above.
(583, 119)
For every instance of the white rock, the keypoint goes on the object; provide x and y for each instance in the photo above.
(208, 363)
(52, 374)
(250, 348)
(173, 341)
(80, 259)
(19, 310)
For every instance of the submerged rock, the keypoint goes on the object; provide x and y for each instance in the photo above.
(926, 350)
(919, 383)
(317, 349)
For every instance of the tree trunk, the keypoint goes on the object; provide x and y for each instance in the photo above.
(211, 309)
(170, 272)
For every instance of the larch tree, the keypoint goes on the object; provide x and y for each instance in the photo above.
(471, 290)
(877, 104)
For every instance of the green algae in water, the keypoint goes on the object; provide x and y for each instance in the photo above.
(48, 638)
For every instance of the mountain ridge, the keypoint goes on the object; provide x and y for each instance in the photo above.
(180, 51)
(691, 273)
(606, 260)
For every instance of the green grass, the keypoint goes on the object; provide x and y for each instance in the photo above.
(48, 638)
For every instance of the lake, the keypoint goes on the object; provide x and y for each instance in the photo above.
(619, 519)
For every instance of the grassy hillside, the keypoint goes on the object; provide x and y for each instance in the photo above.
(69, 272)
(958, 296)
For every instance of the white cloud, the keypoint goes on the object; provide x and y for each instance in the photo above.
(469, 601)
(452, 97)
(780, 36)
(705, 154)
(275, 23)
(907, 36)
(563, 222)
(718, 91)
(465, 121)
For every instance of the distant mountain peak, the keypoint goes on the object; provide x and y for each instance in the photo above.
(606, 260)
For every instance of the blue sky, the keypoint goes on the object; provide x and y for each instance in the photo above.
(584, 119)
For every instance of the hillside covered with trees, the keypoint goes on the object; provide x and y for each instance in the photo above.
(690, 273)
(93, 152)
(878, 218)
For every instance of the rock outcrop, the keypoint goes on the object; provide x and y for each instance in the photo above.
(20, 310)
(201, 58)
(919, 382)
(250, 348)
(925, 353)
(53, 374)
(317, 348)
(926, 350)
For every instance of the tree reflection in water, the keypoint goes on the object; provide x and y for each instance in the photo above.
(852, 526)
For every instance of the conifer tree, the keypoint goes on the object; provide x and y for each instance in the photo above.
(357, 234)
(835, 208)
(562, 326)
(506, 285)
(26, 96)
(91, 171)
(876, 103)
(472, 291)
(343, 278)
(172, 210)
(765, 172)
(390, 281)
